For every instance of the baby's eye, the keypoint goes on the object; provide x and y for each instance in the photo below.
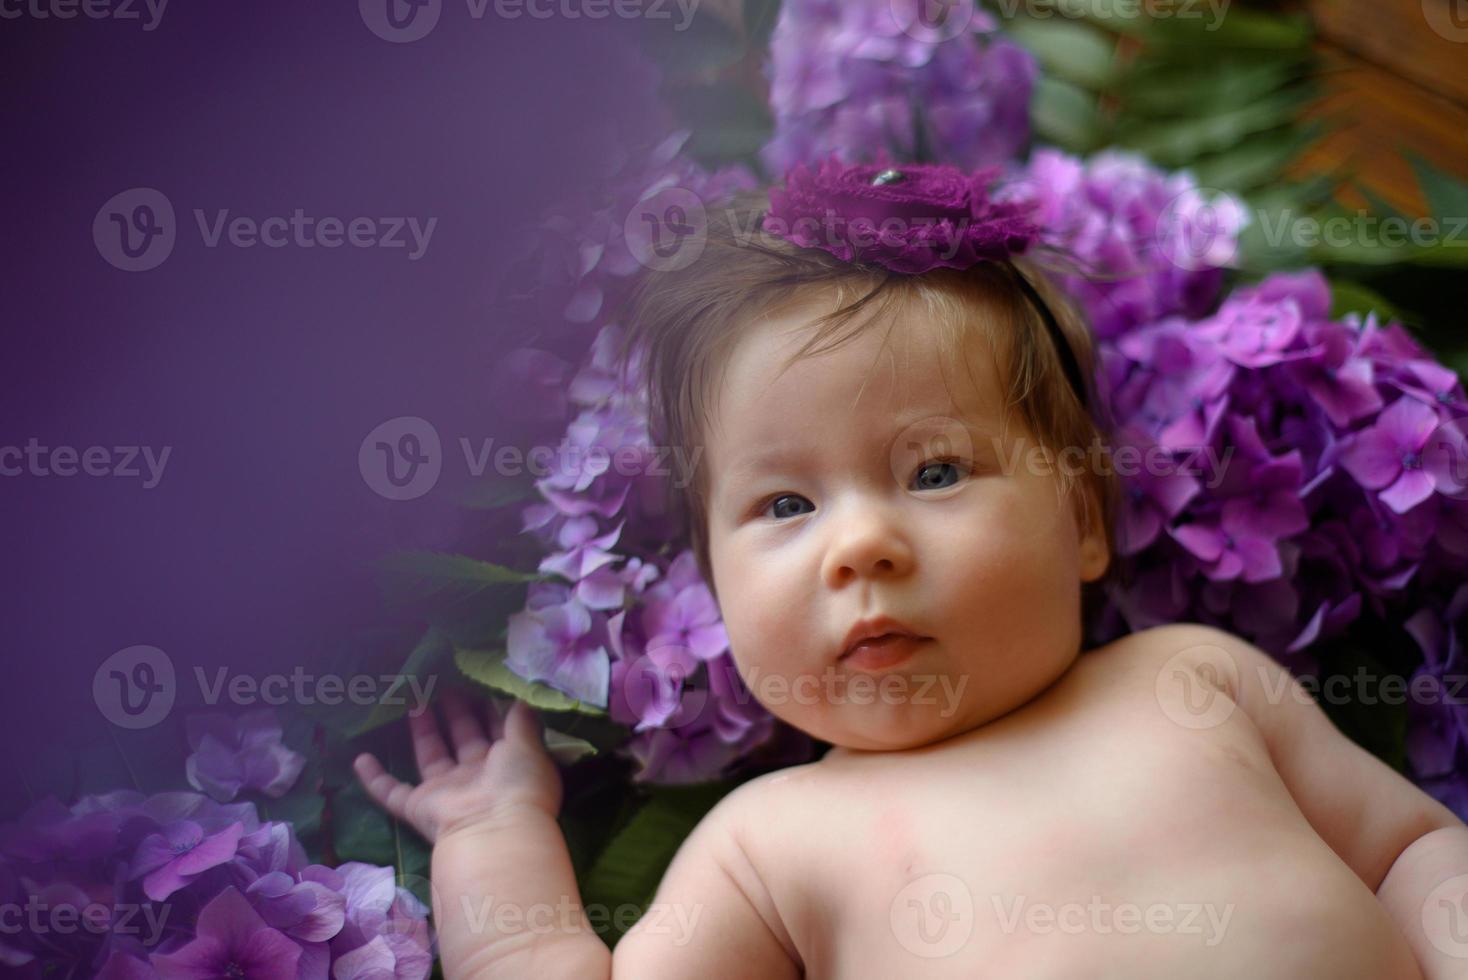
(938, 474)
(781, 506)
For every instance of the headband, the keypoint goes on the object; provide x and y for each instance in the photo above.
(909, 220)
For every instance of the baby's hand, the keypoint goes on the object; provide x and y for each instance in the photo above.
(486, 780)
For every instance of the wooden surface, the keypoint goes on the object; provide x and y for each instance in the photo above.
(1391, 84)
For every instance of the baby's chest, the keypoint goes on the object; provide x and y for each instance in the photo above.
(1121, 844)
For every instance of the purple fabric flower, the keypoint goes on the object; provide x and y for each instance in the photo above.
(563, 645)
(232, 941)
(235, 754)
(926, 216)
(179, 853)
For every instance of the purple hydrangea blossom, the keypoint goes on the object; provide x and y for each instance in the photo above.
(236, 754)
(233, 889)
(231, 940)
(1132, 229)
(846, 78)
(560, 641)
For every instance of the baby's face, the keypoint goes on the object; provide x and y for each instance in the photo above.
(827, 508)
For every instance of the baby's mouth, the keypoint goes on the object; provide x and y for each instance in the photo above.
(883, 652)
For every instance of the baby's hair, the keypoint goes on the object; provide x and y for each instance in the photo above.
(682, 325)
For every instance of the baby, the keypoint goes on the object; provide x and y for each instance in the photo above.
(901, 560)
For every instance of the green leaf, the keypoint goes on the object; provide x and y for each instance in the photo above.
(421, 573)
(487, 667)
(1253, 162)
(365, 832)
(1069, 50)
(1168, 88)
(1178, 142)
(628, 871)
(729, 123)
(1065, 115)
(493, 494)
(1447, 196)
(1349, 296)
(1238, 28)
(760, 17)
(567, 749)
(431, 651)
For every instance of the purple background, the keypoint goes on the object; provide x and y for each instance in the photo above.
(263, 368)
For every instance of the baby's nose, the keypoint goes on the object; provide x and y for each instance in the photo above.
(868, 543)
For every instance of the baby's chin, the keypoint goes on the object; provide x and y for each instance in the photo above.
(871, 728)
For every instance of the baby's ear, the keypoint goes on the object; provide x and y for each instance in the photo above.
(1095, 554)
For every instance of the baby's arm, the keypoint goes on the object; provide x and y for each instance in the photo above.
(1402, 843)
(505, 899)
(505, 902)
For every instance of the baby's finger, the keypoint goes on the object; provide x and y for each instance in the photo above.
(386, 791)
(524, 727)
(469, 742)
(494, 720)
(429, 751)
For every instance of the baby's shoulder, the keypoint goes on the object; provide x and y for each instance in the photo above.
(1143, 652)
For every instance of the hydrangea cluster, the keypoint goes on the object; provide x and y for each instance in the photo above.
(1144, 243)
(627, 625)
(175, 885)
(856, 79)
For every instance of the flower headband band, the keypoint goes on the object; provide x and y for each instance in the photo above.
(910, 220)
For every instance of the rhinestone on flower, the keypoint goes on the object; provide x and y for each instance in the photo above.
(888, 176)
